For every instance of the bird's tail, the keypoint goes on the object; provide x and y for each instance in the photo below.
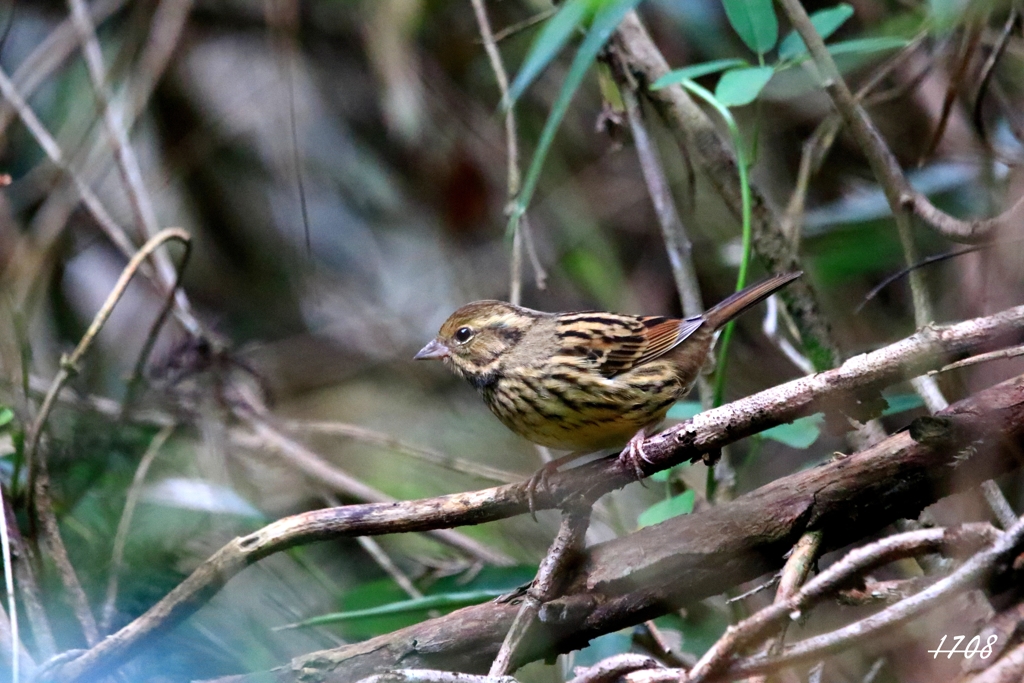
(730, 307)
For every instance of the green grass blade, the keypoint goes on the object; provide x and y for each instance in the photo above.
(696, 71)
(605, 21)
(428, 602)
(549, 42)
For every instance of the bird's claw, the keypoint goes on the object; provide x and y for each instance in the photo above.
(633, 455)
(538, 480)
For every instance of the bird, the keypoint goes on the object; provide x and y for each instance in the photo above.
(583, 381)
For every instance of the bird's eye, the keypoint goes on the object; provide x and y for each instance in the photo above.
(463, 335)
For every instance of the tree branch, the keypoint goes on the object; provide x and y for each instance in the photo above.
(686, 559)
(901, 196)
(930, 348)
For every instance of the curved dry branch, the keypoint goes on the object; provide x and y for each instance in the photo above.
(929, 348)
(901, 196)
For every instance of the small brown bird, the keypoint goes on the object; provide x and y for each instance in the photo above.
(583, 382)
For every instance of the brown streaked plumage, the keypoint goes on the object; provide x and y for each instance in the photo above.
(584, 381)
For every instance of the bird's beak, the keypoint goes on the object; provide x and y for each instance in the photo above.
(435, 350)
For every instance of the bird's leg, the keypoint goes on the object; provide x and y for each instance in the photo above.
(633, 455)
(540, 478)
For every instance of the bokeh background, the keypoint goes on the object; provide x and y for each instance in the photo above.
(341, 167)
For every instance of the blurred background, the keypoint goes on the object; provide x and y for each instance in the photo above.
(341, 167)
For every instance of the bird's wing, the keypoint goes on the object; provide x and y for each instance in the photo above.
(664, 334)
(613, 344)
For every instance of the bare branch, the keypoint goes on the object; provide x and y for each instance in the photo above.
(551, 576)
(974, 572)
(121, 535)
(858, 561)
(521, 236)
(898, 191)
(611, 669)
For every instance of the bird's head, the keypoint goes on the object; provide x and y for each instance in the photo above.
(473, 338)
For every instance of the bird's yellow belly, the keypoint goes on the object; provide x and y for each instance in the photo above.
(588, 414)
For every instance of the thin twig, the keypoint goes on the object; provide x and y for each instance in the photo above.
(927, 261)
(988, 68)
(11, 624)
(121, 535)
(677, 242)
(135, 379)
(998, 504)
(433, 676)
(770, 327)
(50, 54)
(524, 24)
(716, 660)
(370, 436)
(550, 576)
(314, 467)
(613, 668)
(820, 142)
(44, 510)
(705, 147)
(168, 22)
(982, 358)
(794, 574)
(511, 142)
(38, 474)
(69, 364)
(127, 162)
(902, 198)
(9, 634)
(374, 550)
(975, 572)
(107, 224)
(28, 586)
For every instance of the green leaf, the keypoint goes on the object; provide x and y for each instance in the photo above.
(742, 86)
(755, 22)
(683, 410)
(549, 42)
(380, 606)
(6, 415)
(609, 15)
(866, 45)
(696, 71)
(664, 475)
(799, 433)
(666, 509)
(945, 14)
(900, 403)
(427, 602)
(826, 22)
(604, 647)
